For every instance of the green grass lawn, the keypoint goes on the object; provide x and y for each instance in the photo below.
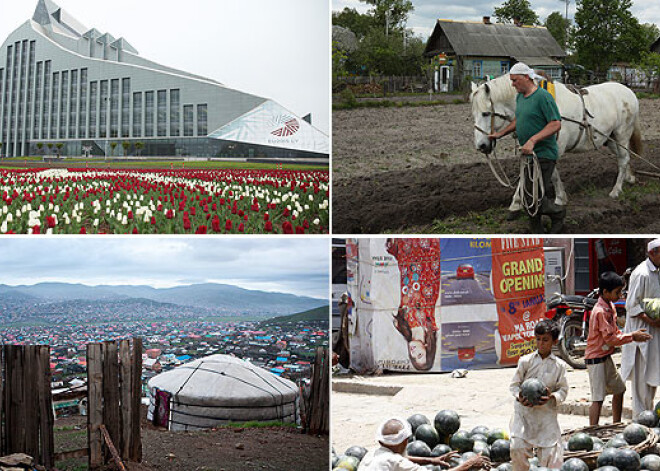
(165, 164)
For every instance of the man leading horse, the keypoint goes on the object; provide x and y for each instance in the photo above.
(537, 122)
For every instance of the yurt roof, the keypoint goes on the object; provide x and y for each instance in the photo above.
(223, 380)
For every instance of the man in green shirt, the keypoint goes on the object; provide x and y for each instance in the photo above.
(537, 123)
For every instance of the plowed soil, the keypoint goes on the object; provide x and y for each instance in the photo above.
(415, 169)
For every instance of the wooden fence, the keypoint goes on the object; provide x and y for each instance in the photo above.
(316, 399)
(26, 411)
(114, 391)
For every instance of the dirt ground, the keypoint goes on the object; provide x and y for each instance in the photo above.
(226, 449)
(360, 404)
(415, 169)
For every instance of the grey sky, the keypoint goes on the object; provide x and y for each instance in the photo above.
(288, 265)
(422, 20)
(275, 49)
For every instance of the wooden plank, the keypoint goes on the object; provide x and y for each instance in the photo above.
(94, 404)
(125, 385)
(16, 423)
(113, 450)
(111, 390)
(46, 419)
(2, 400)
(30, 401)
(135, 448)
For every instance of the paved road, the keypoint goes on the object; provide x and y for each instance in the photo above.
(360, 404)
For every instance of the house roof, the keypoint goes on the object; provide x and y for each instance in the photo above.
(492, 40)
(655, 47)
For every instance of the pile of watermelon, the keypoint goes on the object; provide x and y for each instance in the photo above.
(444, 435)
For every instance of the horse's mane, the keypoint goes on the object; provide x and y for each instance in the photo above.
(500, 90)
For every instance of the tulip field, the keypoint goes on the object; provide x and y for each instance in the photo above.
(87, 201)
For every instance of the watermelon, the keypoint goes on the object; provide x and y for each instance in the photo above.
(647, 418)
(651, 307)
(418, 448)
(532, 389)
(427, 434)
(447, 422)
(335, 460)
(356, 451)
(651, 462)
(505, 467)
(478, 437)
(497, 434)
(433, 467)
(656, 430)
(481, 448)
(467, 455)
(657, 409)
(580, 441)
(500, 451)
(440, 450)
(627, 459)
(348, 462)
(606, 457)
(461, 441)
(482, 429)
(607, 468)
(635, 434)
(574, 464)
(616, 442)
(416, 420)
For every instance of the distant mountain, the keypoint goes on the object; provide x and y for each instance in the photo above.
(318, 314)
(227, 298)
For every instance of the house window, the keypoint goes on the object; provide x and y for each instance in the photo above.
(476, 69)
(504, 67)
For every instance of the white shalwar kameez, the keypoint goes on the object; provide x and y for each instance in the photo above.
(640, 361)
(538, 427)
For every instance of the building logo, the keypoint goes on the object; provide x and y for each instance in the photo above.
(287, 126)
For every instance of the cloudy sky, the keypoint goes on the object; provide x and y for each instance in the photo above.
(422, 20)
(287, 265)
(275, 49)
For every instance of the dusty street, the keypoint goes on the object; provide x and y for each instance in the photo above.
(360, 404)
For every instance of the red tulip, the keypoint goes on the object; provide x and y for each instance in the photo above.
(228, 225)
(201, 230)
(268, 227)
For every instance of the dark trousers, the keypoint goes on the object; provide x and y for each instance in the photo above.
(548, 205)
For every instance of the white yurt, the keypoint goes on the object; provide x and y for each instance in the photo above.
(218, 389)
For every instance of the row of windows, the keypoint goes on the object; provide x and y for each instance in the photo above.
(56, 105)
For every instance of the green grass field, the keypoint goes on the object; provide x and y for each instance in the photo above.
(15, 162)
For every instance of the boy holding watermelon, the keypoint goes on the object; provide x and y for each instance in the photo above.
(393, 437)
(538, 385)
(604, 335)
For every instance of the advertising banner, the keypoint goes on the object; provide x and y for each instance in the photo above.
(427, 304)
(518, 285)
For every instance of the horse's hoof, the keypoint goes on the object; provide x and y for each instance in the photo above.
(614, 194)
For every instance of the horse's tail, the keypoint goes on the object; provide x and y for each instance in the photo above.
(636, 138)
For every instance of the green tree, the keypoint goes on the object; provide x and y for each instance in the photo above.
(113, 146)
(50, 147)
(559, 28)
(139, 146)
(520, 9)
(59, 146)
(607, 32)
(650, 64)
(125, 145)
(40, 146)
(390, 15)
(338, 62)
(650, 32)
(350, 18)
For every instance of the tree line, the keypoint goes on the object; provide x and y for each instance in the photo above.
(603, 32)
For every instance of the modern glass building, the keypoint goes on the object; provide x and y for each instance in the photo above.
(62, 83)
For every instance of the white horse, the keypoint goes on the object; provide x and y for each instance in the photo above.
(613, 111)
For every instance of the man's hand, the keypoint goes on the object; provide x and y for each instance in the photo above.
(649, 321)
(641, 336)
(494, 136)
(444, 459)
(545, 398)
(524, 401)
(528, 148)
(479, 462)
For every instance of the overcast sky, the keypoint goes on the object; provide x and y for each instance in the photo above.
(274, 49)
(423, 19)
(288, 265)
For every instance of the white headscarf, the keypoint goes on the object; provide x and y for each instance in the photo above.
(393, 440)
(520, 68)
(654, 244)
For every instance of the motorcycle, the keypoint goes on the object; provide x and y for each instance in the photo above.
(572, 313)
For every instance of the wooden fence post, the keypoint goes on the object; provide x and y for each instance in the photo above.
(95, 404)
(111, 390)
(319, 394)
(135, 448)
(45, 401)
(125, 384)
(30, 404)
